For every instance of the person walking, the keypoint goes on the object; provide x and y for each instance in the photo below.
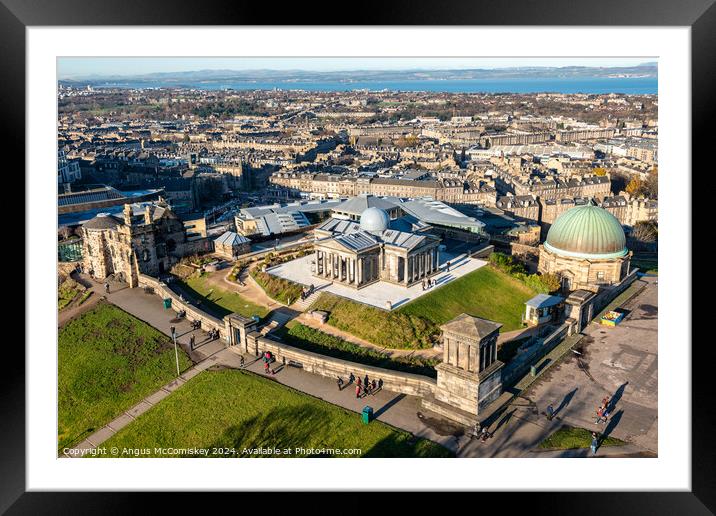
(423, 285)
(357, 391)
(365, 380)
(340, 383)
(351, 378)
(242, 361)
(447, 267)
(191, 342)
(266, 368)
(358, 382)
(550, 412)
(595, 443)
(380, 384)
(106, 287)
(373, 386)
(600, 415)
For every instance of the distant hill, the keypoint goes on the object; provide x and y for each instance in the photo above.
(288, 76)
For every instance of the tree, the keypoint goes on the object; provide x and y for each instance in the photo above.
(645, 231)
(634, 187)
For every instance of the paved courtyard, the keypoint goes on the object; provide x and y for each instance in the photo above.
(376, 294)
(617, 361)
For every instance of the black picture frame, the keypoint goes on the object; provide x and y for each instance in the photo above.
(700, 15)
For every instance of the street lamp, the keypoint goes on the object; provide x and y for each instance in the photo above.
(176, 353)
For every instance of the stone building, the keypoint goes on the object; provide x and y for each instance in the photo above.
(586, 248)
(148, 239)
(470, 376)
(360, 254)
(230, 245)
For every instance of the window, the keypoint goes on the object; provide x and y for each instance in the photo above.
(600, 275)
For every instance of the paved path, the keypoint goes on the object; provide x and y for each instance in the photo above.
(398, 410)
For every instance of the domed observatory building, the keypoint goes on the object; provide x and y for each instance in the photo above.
(359, 254)
(586, 249)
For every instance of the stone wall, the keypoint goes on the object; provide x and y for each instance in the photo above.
(396, 381)
(208, 322)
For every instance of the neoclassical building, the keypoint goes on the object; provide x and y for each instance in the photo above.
(358, 254)
(586, 249)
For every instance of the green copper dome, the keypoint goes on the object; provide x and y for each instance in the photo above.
(587, 232)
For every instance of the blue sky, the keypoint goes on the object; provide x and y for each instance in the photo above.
(71, 67)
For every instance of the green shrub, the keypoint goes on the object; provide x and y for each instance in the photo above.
(282, 290)
(543, 284)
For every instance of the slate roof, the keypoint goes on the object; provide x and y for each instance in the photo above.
(471, 326)
(232, 239)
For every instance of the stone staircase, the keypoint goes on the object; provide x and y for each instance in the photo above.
(302, 306)
(278, 320)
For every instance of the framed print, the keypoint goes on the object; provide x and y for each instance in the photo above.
(429, 242)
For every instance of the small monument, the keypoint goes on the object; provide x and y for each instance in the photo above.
(470, 376)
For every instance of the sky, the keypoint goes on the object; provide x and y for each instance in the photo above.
(77, 67)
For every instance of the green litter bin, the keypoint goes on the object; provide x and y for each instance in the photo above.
(367, 414)
(168, 303)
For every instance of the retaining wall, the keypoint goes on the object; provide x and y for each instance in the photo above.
(396, 381)
(208, 322)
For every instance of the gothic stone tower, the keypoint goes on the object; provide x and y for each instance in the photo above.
(469, 378)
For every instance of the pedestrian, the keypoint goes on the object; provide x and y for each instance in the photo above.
(358, 383)
(595, 443)
(550, 412)
(373, 386)
(340, 383)
(357, 391)
(600, 415)
(423, 284)
(266, 368)
(242, 361)
(351, 378)
(365, 380)
(447, 268)
(380, 384)
(106, 287)
(191, 342)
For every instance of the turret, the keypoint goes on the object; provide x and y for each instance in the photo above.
(128, 214)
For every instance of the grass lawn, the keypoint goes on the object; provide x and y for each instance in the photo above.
(311, 339)
(237, 410)
(388, 329)
(486, 293)
(569, 438)
(221, 301)
(108, 360)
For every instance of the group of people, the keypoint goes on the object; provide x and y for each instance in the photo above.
(603, 411)
(480, 432)
(364, 386)
(307, 292)
(429, 283)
